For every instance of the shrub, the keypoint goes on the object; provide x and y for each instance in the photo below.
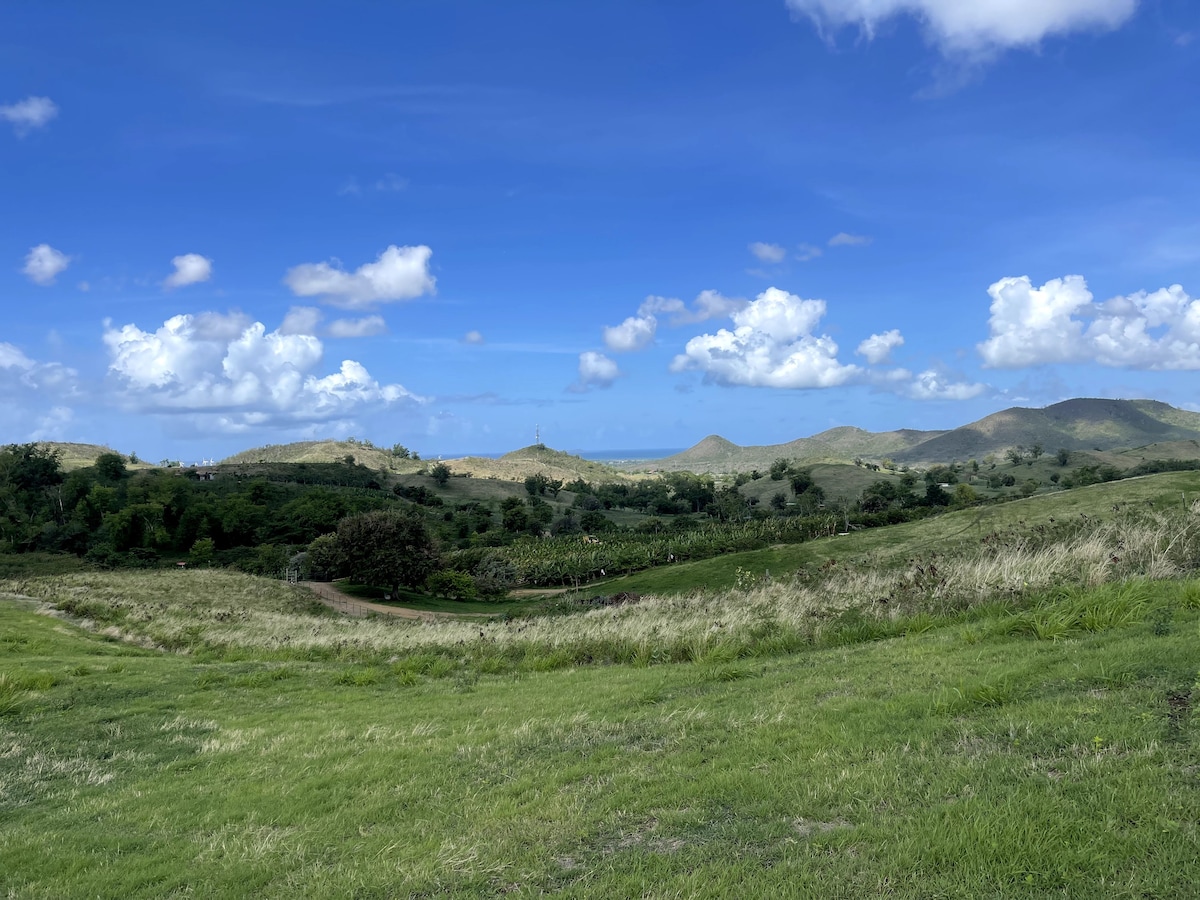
(452, 585)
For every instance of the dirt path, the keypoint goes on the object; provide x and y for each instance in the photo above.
(525, 593)
(331, 596)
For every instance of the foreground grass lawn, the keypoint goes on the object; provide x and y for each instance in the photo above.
(958, 762)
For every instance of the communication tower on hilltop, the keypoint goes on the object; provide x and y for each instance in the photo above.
(537, 434)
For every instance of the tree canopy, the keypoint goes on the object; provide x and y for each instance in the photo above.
(387, 547)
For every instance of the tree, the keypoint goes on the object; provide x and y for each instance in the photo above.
(1014, 455)
(1063, 456)
(1036, 450)
(540, 513)
(513, 516)
(801, 481)
(30, 476)
(779, 502)
(780, 469)
(202, 552)
(964, 495)
(452, 585)
(387, 548)
(324, 560)
(935, 496)
(401, 452)
(110, 467)
(440, 473)
(595, 521)
(535, 485)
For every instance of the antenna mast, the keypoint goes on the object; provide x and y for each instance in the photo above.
(537, 434)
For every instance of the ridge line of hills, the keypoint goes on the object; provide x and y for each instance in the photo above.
(1156, 429)
(1092, 424)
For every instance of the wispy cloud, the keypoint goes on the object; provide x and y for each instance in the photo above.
(28, 114)
(842, 239)
(976, 29)
(770, 253)
(43, 264)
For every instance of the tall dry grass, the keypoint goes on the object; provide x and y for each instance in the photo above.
(231, 612)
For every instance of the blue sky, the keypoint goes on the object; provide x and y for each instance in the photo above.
(632, 224)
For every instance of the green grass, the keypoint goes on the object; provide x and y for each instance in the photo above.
(1167, 491)
(19, 564)
(426, 603)
(959, 759)
(836, 480)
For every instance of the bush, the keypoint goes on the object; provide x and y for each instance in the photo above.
(452, 585)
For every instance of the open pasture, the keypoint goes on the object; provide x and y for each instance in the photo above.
(1017, 722)
(953, 761)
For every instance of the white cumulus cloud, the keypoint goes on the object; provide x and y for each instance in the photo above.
(255, 377)
(43, 264)
(707, 305)
(20, 374)
(368, 326)
(28, 114)
(400, 273)
(1060, 322)
(301, 320)
(596, 371)
(12, 358)
(972, 27)
(190, 268)
(473, 337)
(771, 345)
(878, 347)
(770, 253)
(635, 333)
(934, 385)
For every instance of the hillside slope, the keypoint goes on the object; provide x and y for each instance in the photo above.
(1090, 424)
(1080, 424)
(716, 454)
(536, 459)
(79, 456)
(328, 451)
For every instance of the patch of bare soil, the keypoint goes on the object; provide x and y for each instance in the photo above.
(331, 596)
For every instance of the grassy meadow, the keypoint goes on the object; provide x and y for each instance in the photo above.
(973, 708)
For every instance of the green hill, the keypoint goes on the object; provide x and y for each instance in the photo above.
(1081, 424)
(79, 456)
(715, 454)
(1085, 424)
(328, 451)
(536, 459)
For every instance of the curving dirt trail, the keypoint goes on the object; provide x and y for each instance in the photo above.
(331, 596)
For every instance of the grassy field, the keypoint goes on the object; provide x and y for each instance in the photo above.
(836, 480)
(961, 707)
(947, 532)
(965, 760)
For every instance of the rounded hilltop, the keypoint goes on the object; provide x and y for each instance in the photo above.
(536, 459)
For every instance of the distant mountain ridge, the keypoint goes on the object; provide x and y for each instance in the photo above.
(1079, 424)
(1082, 424)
